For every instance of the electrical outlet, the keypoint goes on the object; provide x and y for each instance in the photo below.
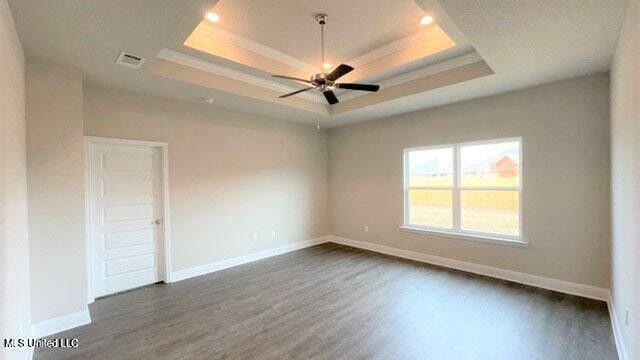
(366, 228)
(626, 317)
(274, 235)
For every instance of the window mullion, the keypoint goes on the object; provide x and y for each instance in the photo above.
(456, 188)
(406, 187)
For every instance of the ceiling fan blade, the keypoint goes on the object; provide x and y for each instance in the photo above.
(339, 72)
(292, 78)
(295, 92)
(361, 87)
(331, 97)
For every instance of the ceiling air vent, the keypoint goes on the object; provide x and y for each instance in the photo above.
(130, 60)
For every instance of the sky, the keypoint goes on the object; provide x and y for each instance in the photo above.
(472, 158)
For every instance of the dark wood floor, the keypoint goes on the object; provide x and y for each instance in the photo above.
(335, 302)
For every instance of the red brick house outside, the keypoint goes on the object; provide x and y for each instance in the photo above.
(505, 167)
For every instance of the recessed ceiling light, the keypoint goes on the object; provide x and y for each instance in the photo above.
(327, 66)
(426, 20)
(213, 17)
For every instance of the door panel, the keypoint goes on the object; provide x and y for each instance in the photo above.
(129, 264)
(115, 240)
(126, 201)
(119, 213)
(115, 187)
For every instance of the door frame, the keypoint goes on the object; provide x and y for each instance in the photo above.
(165, 246)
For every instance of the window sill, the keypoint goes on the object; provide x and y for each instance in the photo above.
(468, 237)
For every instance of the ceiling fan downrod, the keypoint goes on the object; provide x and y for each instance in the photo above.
(322, 20)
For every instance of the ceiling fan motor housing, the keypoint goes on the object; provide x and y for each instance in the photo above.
(321, 19)
(320, 80)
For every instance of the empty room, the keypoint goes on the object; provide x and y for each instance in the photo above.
(320, 179)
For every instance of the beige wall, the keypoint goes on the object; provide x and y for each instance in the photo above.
(565, 206)
(625, 172)
(230, 175)
(56, 189)
(14, 251)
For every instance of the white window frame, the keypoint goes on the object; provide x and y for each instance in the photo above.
(457, 231)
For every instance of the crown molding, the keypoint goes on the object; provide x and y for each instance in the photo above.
(461, 60)
(273, 54)
(191, 61)
(456, 57)
(258, 48)
(194, 62)
(395, 46)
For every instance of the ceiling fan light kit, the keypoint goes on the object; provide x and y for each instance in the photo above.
(326, 83)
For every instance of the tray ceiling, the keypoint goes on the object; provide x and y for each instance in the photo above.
(250, 40)
(500, 46)
(354, 27)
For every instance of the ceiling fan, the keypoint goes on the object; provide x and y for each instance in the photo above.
(326, 83)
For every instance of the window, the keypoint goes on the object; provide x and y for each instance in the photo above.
(465, 189)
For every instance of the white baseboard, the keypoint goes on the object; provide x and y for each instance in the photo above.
(617, 334)
(66, 322)
(61, 323)
(80, 318)
(240, 260)
(567, 287)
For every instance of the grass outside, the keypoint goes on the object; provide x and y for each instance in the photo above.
(496, 221)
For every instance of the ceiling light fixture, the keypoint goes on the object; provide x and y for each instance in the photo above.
(326, 83)
(213, 17)
(426, 20)
(327, 66)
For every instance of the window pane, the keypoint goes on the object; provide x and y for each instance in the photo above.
(432, 167)
(432, 208)
(494, 212)
(496, 164)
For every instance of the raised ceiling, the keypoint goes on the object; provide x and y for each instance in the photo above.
(354, 26)
(370, 63)
(252, 40)
(499, 45)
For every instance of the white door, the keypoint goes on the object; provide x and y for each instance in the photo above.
(126, 209)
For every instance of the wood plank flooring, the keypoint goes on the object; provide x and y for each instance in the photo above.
(336, 302)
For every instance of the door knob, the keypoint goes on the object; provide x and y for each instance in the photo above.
(158, 222)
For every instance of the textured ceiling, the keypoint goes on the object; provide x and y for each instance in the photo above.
(526, 43)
